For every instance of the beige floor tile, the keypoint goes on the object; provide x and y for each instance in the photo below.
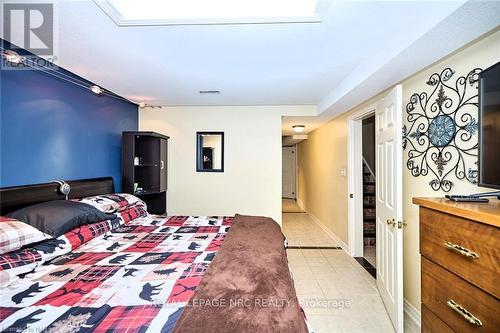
(312, 253)
(370, 305)
(308, 287)
(361, 324)
(318, 261)
(297, 261)
(324, 324)
(336, 293)
(301, 230)
(331, 289)
(302, 272)
(316, 305)
(381, 323)
(290, 206)
(354, 287)
(294, 253)
(342, 262)
(332, 253)
(324, 273)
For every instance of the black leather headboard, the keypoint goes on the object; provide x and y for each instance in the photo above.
(17, 197)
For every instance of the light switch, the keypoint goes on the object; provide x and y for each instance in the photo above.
(343, 172)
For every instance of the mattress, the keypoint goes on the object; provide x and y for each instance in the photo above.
(134, 277)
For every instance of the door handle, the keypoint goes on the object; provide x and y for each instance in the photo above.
(391, 222)
(162, 165)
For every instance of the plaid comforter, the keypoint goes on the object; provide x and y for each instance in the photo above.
(131, 277)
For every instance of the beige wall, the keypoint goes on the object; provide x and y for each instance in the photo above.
(321, 188)
(251, 181)
(482, 54)
(323, 191)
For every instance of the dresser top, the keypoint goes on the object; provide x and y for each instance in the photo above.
(487, 213)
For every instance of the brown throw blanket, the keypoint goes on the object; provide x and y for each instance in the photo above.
(248, 287)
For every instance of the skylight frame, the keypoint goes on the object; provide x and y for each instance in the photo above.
(108, 8)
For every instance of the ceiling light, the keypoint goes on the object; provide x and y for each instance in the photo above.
(96, 90)
(12, 57)
(298, 128)
(172, 12)
(142, 104)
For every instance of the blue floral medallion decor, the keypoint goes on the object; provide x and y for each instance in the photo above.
(441, 136)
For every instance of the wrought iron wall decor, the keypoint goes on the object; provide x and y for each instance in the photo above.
(441, 136)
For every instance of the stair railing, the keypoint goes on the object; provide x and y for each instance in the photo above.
(368, 166)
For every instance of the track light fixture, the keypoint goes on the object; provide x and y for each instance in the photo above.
(96, 90)
(12, 57)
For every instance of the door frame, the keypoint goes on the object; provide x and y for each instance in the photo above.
(355, 180)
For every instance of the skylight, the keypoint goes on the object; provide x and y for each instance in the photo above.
(170, 12)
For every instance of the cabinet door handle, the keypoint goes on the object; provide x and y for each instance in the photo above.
(464, 313)
(461, 250)
(162, 165)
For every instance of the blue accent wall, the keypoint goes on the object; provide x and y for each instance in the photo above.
(53, 129)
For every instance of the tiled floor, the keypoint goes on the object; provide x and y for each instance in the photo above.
(300, 230)
(337, 294)
(290, 206)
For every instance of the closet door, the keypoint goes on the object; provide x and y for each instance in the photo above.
(163, 165)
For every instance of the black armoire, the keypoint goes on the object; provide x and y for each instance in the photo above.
(144, 168)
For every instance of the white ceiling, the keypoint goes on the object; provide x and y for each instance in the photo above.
(357, 51)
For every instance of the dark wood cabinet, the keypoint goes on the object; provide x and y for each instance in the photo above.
(144, 168)
(460, 265)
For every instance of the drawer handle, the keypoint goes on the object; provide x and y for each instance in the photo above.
(464, 313)
(462, 250)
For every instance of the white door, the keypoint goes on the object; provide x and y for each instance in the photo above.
(389, 160)
(288, 172)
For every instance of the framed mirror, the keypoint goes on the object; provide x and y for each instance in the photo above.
(210, 151)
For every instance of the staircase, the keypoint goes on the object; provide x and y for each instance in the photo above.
(368, 206)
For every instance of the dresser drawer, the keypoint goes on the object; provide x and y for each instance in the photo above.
(438, 229)
(440, 287)
(432, 324)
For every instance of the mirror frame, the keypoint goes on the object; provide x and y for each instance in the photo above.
(199, 152)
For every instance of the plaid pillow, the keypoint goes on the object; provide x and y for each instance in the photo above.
(111, 203)
(15, 234)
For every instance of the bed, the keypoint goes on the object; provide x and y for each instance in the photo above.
(147, 273)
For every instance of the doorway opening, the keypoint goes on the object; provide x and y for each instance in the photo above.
(362, 185)
(368, 260)
(388, 197)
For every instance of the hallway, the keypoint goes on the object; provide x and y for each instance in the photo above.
(336, 293)
(302, 231)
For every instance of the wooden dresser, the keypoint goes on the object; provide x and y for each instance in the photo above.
(460, 248)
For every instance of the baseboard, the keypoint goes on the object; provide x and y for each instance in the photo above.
(300, 204)
(412, 313)
(328, 231)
